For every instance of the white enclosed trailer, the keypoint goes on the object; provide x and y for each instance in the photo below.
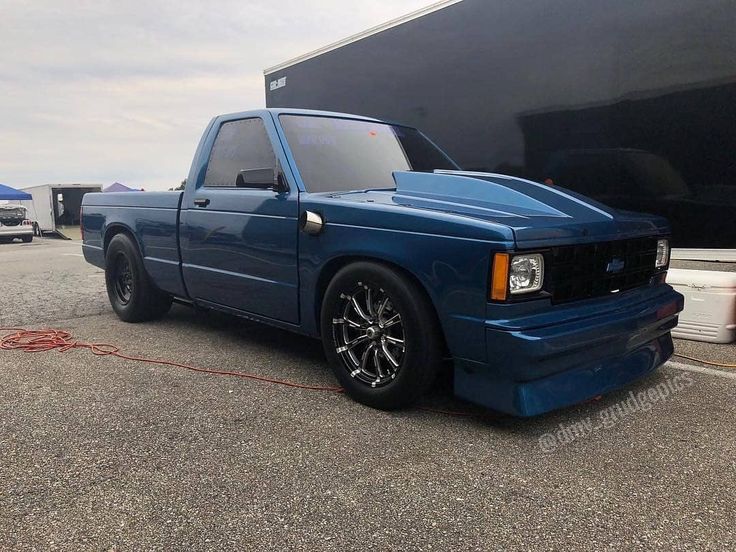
(57, 207)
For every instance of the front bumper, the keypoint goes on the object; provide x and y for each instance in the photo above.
(535, 369)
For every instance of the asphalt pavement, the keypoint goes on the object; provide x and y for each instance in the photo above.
(100, 453)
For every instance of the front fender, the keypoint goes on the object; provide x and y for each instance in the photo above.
(452, 270)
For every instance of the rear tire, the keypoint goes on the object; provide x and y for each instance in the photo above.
(132, 295)
(381, 335)
(27, 239)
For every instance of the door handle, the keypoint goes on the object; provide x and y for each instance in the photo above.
(201, 202)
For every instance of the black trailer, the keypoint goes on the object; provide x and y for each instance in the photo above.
(631, 102)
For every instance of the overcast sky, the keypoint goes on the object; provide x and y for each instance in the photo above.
(95, 91)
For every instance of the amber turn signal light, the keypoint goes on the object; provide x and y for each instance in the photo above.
(500, 277)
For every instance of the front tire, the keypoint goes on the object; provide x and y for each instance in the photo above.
(381, 335)
(132, 295)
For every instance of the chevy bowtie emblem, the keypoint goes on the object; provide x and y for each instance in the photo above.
(615, 265)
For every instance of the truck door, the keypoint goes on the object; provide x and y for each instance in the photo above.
(239, 243)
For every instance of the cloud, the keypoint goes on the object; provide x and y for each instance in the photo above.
(98, 91)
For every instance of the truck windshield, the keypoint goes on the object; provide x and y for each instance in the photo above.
(349, 154)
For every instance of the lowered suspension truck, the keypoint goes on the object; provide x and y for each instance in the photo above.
(364, 234)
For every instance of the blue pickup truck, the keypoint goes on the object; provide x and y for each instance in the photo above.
(366, 235)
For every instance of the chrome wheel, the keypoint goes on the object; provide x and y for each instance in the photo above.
(369, 336)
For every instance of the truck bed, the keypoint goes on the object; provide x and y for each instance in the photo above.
(151, 218)
(152, 200)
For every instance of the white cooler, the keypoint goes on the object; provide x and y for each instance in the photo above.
(710, 304)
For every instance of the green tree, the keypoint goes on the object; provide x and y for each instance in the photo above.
(179, 187)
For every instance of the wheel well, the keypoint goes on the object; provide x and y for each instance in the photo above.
(333, 267)
(113, 231)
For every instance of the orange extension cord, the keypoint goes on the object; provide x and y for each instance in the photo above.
(37, 341)
(719, 364)
(40, 341)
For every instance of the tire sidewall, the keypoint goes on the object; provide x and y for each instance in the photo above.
(135, 308)
(420, 359)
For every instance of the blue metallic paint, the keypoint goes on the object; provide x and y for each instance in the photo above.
(240, 251)
(244, 254)
(151, 218)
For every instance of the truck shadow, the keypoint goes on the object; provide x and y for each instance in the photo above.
(303, 360)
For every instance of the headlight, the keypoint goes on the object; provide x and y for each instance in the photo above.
(516, 274)
(663, 253)
(526, 273)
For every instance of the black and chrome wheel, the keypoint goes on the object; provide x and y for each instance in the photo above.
(369, 335)
(132, 295)
(380, 334)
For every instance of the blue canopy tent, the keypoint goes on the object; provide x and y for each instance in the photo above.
(11, 194)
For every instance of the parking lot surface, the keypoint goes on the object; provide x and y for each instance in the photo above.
(104, 453)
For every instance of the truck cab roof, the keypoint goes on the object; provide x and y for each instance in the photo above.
(295, 111)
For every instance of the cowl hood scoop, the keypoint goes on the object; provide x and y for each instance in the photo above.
(479, 193)
(537, 213)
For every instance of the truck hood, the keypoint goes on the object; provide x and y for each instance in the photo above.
(538, 215)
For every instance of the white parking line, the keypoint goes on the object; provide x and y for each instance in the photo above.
(73, 254)
(701, 370)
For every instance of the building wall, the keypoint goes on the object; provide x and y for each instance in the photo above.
(632, 102)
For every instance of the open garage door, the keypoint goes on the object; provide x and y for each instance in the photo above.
(67, 208)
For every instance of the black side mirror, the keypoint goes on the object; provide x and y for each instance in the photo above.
(266, 178)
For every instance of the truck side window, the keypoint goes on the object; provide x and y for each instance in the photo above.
(239, 145)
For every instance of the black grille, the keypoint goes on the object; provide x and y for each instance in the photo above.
(592, 270)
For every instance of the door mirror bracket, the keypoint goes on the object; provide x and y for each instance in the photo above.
(280, 186)
(266, 178)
